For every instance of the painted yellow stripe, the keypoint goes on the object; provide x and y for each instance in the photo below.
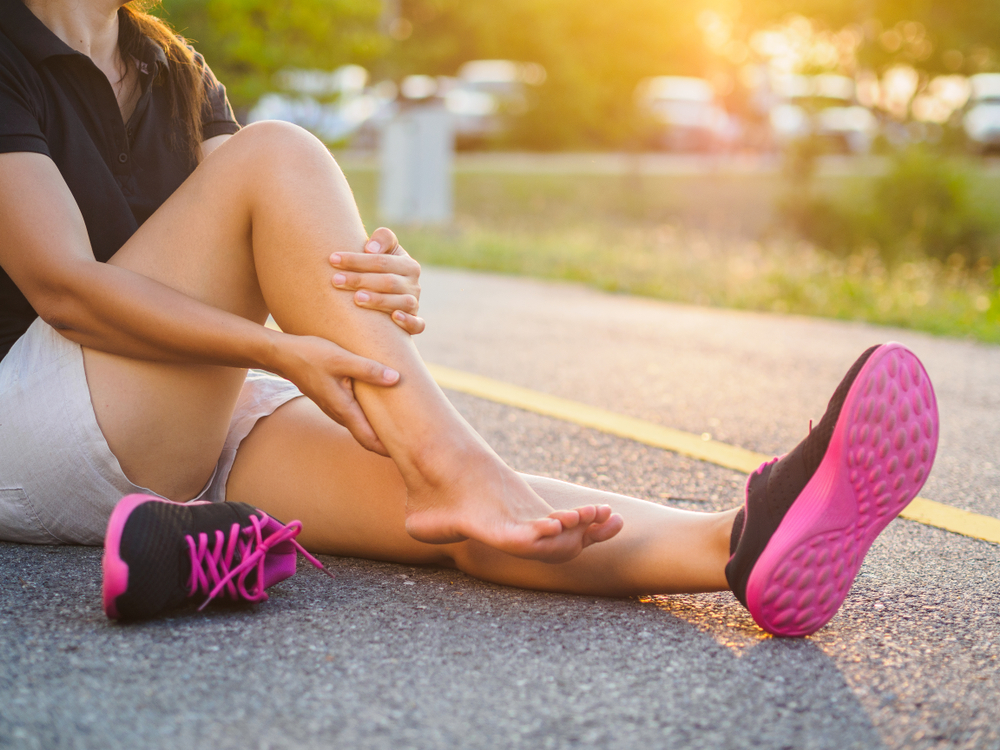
(729, 456)
(957, 520)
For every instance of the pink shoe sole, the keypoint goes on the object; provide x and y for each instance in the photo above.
(881, 451)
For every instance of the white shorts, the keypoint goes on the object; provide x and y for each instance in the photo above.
(59, 480)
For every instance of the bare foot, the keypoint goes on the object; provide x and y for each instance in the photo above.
(495, 506)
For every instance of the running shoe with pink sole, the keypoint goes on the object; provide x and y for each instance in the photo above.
(159, 555)
(811, 515)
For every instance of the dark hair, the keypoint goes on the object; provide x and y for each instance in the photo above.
(185, 77)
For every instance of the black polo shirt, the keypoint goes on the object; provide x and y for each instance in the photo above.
(55, 101)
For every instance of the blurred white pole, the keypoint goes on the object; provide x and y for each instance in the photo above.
(390, 12)
(417, 151)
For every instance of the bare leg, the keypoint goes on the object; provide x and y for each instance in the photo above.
(298, 464)
(250, 232)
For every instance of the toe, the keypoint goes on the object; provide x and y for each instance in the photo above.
(559, 549)
(603, 513)
(569, 519)
(601, 532)
(548, 527)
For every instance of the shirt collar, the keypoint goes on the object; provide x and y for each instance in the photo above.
(37, 43)
(154, 58)
(30, 35)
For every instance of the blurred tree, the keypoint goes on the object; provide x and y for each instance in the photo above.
(247, 41)
(594, 53)
(939, 36)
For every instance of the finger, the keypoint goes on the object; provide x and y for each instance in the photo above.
(402, 265)
(382, 241)
(386, 283)
(365, 370)
(353, 418)
(409, 323)
(387, 303)
(346, 410)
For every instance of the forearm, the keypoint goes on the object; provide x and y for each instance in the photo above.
(114, 310)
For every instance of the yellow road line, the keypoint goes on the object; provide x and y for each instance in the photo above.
(729, 456)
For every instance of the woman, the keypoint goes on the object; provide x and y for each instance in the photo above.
(133, 377)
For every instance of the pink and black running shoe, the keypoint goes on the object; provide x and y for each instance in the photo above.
(811, 515)
(159, 554)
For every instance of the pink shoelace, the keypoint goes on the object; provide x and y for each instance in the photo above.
(212, 570)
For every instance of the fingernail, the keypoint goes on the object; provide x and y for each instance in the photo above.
(373, 247)
(362, 296)
(335, 259)
(399, 316)
(390, 375)
(339, 279)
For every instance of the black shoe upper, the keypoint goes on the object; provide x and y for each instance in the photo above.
(159, 563)
(772, 489)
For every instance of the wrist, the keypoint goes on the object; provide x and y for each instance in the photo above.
(274, 352)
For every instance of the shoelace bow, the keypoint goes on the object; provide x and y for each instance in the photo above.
(212, 570)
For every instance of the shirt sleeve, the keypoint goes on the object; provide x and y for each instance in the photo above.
(217, 116)
(20, 121)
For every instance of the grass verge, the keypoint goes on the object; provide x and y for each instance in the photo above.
(670, 264)
(501, 229)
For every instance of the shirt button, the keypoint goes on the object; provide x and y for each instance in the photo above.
(123, 157)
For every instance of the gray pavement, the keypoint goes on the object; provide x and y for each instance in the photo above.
(396, 656)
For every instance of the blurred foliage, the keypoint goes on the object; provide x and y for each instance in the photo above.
(687, 243)
(595, 52)
(247, 41)
(922, 207)
(673, 264)
(930, 31)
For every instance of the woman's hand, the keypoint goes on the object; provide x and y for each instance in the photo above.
(326, 373)
(383, 278)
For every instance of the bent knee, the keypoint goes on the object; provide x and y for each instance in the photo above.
(272, 146)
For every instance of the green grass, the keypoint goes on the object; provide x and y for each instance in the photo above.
(683, 238)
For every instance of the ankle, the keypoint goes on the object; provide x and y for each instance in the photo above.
(439, 464)
(728, 531)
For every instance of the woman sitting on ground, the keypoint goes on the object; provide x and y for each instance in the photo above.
(146, 240)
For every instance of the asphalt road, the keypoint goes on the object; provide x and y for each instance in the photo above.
(391, 656)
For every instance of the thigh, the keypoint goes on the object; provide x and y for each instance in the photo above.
(299, 464)
(166, 423)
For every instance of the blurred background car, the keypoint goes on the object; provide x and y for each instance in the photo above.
(335, 105)
(340, 106)
(686, 114)
(982, 116)
(822, 106)
(485, 95)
